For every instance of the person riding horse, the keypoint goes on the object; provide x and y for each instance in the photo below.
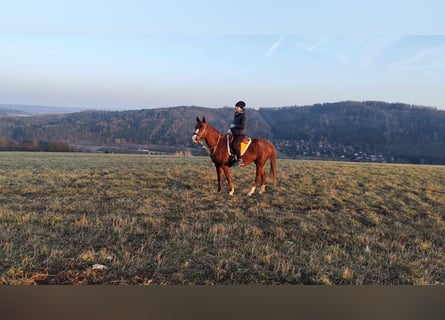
(259, 152)
(238, 130)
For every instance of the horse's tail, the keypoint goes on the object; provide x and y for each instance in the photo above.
(273, 165)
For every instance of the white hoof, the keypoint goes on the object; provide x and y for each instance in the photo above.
(231, 192)
(263, 189)
(251, 191)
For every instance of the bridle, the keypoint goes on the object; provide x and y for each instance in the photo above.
(207, 148)
(201, 133)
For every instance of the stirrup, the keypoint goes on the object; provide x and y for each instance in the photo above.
(232, 160)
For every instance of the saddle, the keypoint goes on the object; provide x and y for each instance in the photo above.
(245, 143)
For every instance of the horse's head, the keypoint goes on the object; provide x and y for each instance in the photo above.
(200, 130)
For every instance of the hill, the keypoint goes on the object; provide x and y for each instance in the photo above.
(361, 131)
(354, 131)
(12, 109)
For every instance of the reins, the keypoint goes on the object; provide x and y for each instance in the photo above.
(208, 148)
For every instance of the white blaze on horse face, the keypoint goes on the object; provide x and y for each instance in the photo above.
(195, 136)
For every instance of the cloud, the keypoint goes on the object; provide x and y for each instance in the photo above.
(311, 46)
(274, 47)
(423, 58)
(354, 51)
(375, 49)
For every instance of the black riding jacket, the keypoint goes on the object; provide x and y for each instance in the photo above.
(239, 123)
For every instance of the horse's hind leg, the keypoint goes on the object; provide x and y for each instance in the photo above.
(263, 181)
(259, 174)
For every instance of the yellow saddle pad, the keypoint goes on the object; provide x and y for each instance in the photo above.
(244, 145)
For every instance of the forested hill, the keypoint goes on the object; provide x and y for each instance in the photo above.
(357, 131)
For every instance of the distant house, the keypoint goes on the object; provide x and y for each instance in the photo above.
(183, 153)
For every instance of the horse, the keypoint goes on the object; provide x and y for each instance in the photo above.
(258, 152)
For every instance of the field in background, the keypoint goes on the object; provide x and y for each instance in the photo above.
(131, 219)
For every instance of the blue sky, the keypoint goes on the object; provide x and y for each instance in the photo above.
(143, 54)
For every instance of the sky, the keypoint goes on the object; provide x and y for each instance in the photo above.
(138, 54)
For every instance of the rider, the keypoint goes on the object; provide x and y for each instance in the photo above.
(238, 129)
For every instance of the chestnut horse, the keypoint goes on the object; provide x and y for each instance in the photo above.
(258, 152)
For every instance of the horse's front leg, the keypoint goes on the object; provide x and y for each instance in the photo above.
(219, 172)
(229, 179)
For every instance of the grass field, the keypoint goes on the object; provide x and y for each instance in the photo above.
(159, 220)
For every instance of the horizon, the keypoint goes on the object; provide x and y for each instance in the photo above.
(74, 109)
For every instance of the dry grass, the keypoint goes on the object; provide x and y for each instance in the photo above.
(159, 220)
